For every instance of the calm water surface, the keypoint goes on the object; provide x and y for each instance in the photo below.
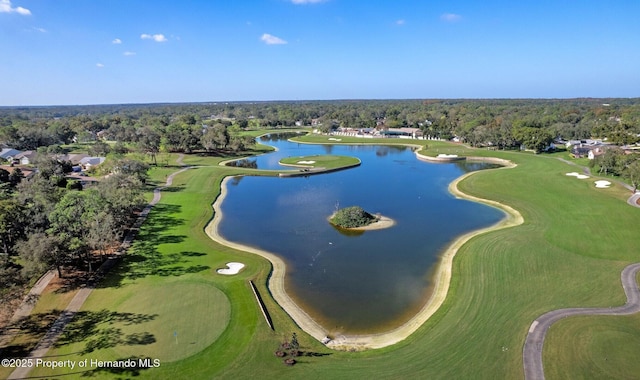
(362, 282)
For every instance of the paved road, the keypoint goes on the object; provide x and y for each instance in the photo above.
(532, 352)
(633, 200)
(76, 303)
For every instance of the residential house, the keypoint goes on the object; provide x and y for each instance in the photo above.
(595, 152)
(590, 151)
(73, 158)
(89, 162)
(28, 173)
(26, 158)
(580, 150)
(10, 154)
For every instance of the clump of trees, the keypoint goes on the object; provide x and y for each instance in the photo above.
(289, 350)
(615, 162)
(352, 217)
(46, 224)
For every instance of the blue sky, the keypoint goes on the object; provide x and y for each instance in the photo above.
(143, 51)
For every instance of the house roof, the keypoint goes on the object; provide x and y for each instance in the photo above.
(9, 153)
(92, 160)
(26, 171)
(29, 154)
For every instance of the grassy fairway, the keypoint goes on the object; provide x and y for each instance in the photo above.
(569, 253)
(605, 347)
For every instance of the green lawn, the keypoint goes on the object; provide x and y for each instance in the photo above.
(569, 253)
(606, 347)
(321, 161)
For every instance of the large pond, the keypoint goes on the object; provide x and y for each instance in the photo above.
(356, 282)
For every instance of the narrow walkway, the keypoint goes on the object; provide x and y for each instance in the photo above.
(532, 351)
(25, 308)
(76, 303)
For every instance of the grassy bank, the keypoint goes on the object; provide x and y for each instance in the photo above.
(325, 161)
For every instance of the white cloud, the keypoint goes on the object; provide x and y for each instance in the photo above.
(272, 40)
(129, 53)
(99, 65)
(307, 1)
(116, 41)
(400, 22)
(155, 37)
(450, 17)
(41, 30)
(6, 7)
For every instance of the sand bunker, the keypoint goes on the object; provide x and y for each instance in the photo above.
(578, 175)
(334, 139)
(306, 162)
(232, 268)
(442, 155)
(603, 184)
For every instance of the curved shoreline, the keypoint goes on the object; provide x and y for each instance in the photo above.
(382, 223)
(276, 280)
(442, 279)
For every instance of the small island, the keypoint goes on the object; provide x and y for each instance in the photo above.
(315, 164)
(356, 218)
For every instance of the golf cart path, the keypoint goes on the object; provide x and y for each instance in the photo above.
(532, 351)
(25, 308)
(76, 303)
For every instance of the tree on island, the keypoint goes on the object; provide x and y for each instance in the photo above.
(352, 217)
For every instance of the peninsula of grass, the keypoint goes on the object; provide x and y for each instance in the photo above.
(569, 252)
(323, 161)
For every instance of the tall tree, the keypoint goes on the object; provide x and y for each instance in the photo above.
(633, 172)
(149, 142)
(41, 252)
(103, 232)
(11, 225)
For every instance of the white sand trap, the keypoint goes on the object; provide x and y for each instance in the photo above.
(442, 155)
(603, 184)
(334, 139)
(577, 175)
(232, 268)
(306, 162)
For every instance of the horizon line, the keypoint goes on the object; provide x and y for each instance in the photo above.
(307, 100)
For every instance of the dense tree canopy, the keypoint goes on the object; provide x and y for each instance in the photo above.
(208, 126)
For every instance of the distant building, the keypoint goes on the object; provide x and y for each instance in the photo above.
(10, 154)
(89, 162)
(26, 158)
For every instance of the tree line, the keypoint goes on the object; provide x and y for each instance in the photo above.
(188, 127)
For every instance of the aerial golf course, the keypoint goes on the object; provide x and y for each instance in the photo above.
(165, 300)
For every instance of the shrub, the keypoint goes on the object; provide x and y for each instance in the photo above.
(352, 217)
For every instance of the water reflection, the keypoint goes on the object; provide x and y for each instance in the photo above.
(244, 163)
(346, 232)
